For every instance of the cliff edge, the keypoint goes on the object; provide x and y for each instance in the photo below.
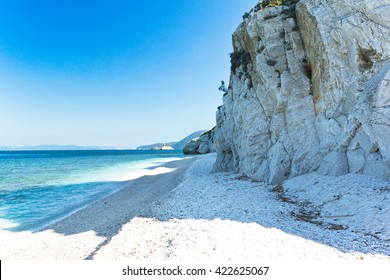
(309, 91)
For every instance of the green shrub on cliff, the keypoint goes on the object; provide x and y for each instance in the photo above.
(246, 15)
(273, 3)
(223, 88)
(239, 58)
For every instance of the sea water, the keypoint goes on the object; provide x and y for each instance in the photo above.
(39, 187)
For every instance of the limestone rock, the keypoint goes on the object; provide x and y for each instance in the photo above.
(309, 90)
(202, 145)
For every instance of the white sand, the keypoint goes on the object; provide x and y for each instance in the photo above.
(212, 216)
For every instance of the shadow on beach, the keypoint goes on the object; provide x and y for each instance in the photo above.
(106, 216)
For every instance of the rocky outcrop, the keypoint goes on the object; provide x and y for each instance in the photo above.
(175, 145)
(309, 91)
(202, 145)
(180, 145)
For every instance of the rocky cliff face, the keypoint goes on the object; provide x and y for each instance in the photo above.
(202, 145)
(309, 91)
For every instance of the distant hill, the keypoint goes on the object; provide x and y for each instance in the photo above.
(175, 145)
(56, 148)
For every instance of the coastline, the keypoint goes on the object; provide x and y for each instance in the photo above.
(82, 186)
(125, 180)
(189, 213)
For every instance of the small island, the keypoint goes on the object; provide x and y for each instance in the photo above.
(163, 147)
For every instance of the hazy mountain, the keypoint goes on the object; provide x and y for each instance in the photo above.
(56, 147)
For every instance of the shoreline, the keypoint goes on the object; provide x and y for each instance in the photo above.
(133, 194)
(158, 168)
(142, 168)
(189, 213)
(87, 223)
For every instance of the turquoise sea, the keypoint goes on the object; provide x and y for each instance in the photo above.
(39, 187)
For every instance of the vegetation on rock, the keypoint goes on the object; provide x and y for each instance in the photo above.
(223, 88)
(239, 58)
(273, 3)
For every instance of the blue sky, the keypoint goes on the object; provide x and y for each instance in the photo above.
(117, 73)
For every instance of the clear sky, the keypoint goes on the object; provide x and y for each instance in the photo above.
(114, 72)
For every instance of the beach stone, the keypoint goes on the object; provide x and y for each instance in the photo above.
(309, 91)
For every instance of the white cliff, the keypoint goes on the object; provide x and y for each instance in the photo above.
(309, 91)
(201, 145)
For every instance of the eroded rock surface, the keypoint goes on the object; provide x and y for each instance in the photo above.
(202, 145)
(309, 91)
